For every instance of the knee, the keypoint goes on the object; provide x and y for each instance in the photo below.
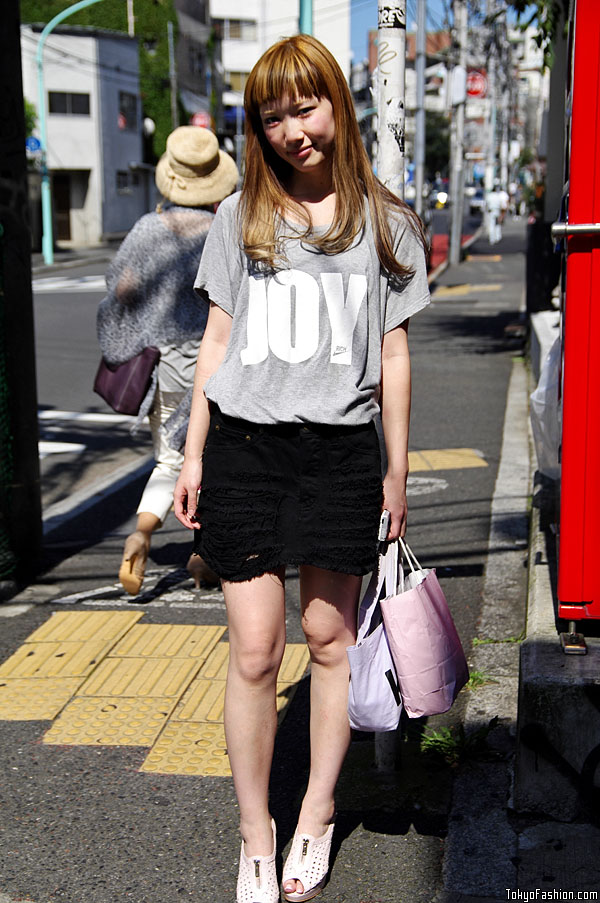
(256, 663)
(326, 647)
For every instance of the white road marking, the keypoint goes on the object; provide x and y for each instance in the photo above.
(425, 485)
(46, 448)
(48, 284)
(82, 417)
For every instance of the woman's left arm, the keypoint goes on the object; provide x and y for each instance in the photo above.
(395, 417)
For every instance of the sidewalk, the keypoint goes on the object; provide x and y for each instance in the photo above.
(491, 850)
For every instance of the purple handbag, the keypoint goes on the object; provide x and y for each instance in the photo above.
(124, 386)
(424, 643)
(374, 702)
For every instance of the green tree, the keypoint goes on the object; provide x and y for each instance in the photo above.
(547, 15)
(437, 144)
(152, 17)
(30, 117)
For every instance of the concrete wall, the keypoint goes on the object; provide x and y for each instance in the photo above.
(121, 207)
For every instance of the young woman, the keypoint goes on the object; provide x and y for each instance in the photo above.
(312, 272)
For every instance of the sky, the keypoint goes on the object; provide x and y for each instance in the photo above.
(364, 18)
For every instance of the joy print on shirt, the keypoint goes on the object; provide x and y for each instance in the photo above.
(284, 317)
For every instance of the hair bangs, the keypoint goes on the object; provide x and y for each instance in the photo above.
(284, 73)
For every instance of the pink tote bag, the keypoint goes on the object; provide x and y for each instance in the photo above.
(425, 646)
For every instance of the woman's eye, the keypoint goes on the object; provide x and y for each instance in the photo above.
(305, 111)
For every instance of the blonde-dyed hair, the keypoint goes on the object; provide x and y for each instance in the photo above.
(302, 67)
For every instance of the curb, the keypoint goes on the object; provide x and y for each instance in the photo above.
(443, 266)
(481, 846)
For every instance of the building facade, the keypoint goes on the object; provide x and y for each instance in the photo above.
(94, 129)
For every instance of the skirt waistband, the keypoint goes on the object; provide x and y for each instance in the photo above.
(327, 430)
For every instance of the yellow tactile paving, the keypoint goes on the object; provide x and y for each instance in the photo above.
(189, 749)
(78, 626)
(168, 641)
(215, 666)
(140, 677)
(202, 701)
(32, 699)
(466, 288)
(110, 721)
(294, 664)
(66, 659)
(445, 459)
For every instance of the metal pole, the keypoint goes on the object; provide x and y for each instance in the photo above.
(490, 168)
(305, 21)
(130, 19)
(391, 52)
(458, 194)
(420, 114)
(47, 237)
(172, 76)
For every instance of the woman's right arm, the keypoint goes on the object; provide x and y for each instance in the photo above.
(212, 351)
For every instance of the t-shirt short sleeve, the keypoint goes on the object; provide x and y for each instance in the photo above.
(221, 266)
(404, 296)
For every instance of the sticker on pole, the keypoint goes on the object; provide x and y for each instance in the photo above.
(391, 16)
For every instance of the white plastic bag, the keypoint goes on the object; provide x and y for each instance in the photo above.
(545, 414)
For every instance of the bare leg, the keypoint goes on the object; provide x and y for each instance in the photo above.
(329, 607)
(256, 616)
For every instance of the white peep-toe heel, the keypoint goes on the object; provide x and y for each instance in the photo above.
(257, 877)
(308, 862)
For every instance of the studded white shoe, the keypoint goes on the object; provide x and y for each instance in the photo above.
(308, 862)
(257, 877)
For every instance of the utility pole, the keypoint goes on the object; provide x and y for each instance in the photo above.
(172, 76)
(130, 19)
(420, 114)
(305, 19)
(47, 231)
(20, 507)
(459, 84)
(391, 53)
(490, 168)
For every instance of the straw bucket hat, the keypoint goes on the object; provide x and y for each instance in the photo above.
(193, 171)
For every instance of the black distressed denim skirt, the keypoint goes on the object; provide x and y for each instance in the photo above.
(288, 494)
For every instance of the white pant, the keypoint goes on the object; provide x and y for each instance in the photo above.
(494, 230)
(157, 497)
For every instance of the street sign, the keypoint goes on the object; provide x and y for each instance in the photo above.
(202, 119)
(476, 83)
(33, 144)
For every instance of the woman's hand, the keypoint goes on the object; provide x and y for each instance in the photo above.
(186, 493)
(394, 499)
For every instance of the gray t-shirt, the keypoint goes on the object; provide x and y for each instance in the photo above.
(305, 343)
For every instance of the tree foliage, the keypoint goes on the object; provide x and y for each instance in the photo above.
(437, 146)
(151, 18)
(548, 16)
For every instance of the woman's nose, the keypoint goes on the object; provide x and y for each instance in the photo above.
(292, 129)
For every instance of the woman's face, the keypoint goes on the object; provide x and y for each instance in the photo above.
(301, 131)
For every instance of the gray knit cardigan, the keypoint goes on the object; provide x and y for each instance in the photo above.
(151, 299)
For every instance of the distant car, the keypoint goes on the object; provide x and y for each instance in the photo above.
(477, 202)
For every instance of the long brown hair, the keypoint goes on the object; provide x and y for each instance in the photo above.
(300, 67)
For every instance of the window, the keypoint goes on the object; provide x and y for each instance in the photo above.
(122, 180)
(69, 104)
(236, 80)
(237, 29)
(127, 111)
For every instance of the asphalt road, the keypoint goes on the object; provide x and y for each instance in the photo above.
(84, 825)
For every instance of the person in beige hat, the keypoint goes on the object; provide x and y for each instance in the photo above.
(151, 302)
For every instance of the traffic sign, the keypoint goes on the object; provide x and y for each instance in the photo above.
(202, 119)
(33, 144)
(476, 83)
